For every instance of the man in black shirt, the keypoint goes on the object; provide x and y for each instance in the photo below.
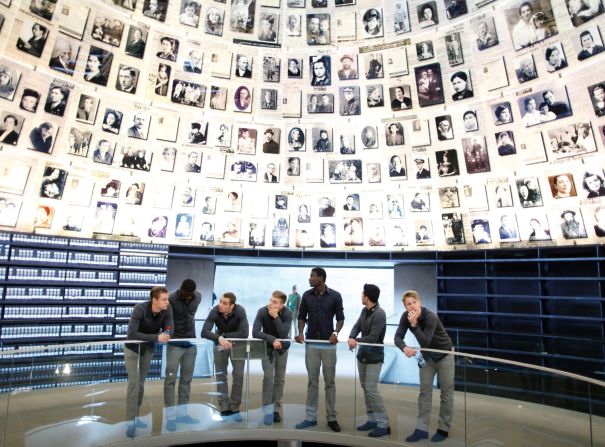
(271, 324)
(429, 332)
(229, 321)
(318, 308)
(184, 303)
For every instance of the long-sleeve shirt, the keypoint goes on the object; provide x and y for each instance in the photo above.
(319, 310)
(235, 325)
(270, 329)
(144, 325)
(372, 324)
(184, 314)
(429, 331)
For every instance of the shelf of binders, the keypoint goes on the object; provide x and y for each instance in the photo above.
(55, 332)
(43, 276)
(138, 261)
(141, 279)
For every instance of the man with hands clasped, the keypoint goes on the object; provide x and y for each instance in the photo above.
(372, 324)
(428, 330)
(271, 324)
(318, 308)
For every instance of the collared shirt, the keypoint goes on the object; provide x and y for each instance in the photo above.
(319, 310)
(234, 326)
(428, 331)
(184, 314)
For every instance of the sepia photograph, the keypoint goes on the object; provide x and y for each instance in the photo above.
(136, 41)
(242, 99)
(9, 80)
(32, 38)
(11, 125)
(214, 21)
(486, 34)
(529, 192)
(188, 93)
(79, 142)
(64, 55)
(429, 85)
(98, 65)
(345, 171)
(475, 155)
(448, 197)
(530, 22)
(108, 30)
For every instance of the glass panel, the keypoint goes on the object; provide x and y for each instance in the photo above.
(6, 377)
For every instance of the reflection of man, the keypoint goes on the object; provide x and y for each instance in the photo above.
(138, 128)
(270, 146)
(127, 77)
(589, 48)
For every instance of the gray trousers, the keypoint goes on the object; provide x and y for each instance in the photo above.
(445, 370)
(137, 367)
(320, 355)
(274, 377)
(369, 375)
(221, 360)
(185, 358)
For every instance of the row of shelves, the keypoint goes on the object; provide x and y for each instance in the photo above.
(53, 295)
(34, 275)
(47, 313)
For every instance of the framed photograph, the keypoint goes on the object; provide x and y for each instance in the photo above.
(73, 221)
(136, 158)
(296, 139)
(233, 202)
(445, 130)
(242, 17)
(475, 155)
(530, 22)
(562, 186)
(243, 170)
(397, 169)
(448, 197)
(44, 9)
(184, 226)
(64, 55)
(44, 216)
(374, 96)
(321, 139)
(326, 207)
(87, 109)
(256, 234)
(140, 126)
(158, 227)
(420, 202)
(570, 140)
(214, 21)
(105, 215)
(188, 93)
(269, 27)
(193, 163)
(471, 124)
(374, 66)
(327, 235)
(198, 133)
(9, 80)
(424, 50)
(526, 69)
(271, 138)
(394, 134)
(349, 101)
(429, 85)
(593, 184)
(246, 141)
(422, 167)
(373, 174)
(155, 9)
(136, 42)
(424, 232)
(572, 224)
(419, 133)
(271, 69)
(32, 38)
(529, 192)
(127, 79)
(502, 113)
(190, 13)
(293, 24)
(168, 158)
(111, 189)
(461, 85)
(209, 205)
(447, 163)
(169, 49)
(218, 98)
(42, 137)
(108, 30)
(453, 48)
(353, 232)
(347, 144)
(112, 121)
(398, 235)
(271, 174)
(320, 103)
(537, 228)
(242, 99)
(555, 57)
(345, 171)
(544, 105)
(56, 99)
(11, 125)
(135, 193)
(295, 68)
(481, 231)
(401, 16)
(369, 137)
(486, 34)
(453, 228)
(427, 14)
(222, 134)
(293, 167)
(98, 66)
(79, 142)
(597, 97)
(348, 67)
(162, 81)
(320, 70)
(506, 142)
(372, 23)
(318, 29)
(455, 8)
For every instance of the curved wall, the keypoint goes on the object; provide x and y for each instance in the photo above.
(187, 135)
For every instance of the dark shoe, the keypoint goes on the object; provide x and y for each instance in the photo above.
(305, 424)
(268, 419)
(439, 436)
(276, 417)
(367, 426)
(140, 424)
(417, 436)
(131, 431)
(379, 431)
(236, 416)
(186, 419)
(334, 426)
(171, 425)
(226, 413)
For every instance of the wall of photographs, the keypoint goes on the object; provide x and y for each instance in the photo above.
(345, 124)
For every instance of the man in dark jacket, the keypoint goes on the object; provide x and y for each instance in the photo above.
(228, 321)
(271, 324)
(184, 303)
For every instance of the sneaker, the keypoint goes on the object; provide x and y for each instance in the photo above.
(276, 417)
(305, 424)
(139, 423)
(171, 425)
(131, 431)
(268, 419)
(226, 413)
(334, 426)
(236, 416)
(440, 436)
(417, 436)
(186, 419)
(367, 426)
(379, 431)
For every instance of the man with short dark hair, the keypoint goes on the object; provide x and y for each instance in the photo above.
(372, 324)
(272, 324)
(127, 79)
(55, 103)
(270, 146)
(318, 308)
(229, 321)
(184, 303)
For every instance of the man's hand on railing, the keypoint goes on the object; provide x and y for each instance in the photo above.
(334, 338)
(299, 338)
(352, 344)
(277, 344)
(409, 352)
(225, 344)
(163, 338)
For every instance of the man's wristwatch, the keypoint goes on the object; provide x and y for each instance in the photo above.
(335, 333)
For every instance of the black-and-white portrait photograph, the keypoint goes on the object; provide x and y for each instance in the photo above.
(397, 169)
(421, 166)
(222, 136)
(320, 70)
(281, 202)
(485, 33)
(347, 144)
(445, 130)
(87, 109)
(396, 208)
(243, 170)
(320, 103)
(53, 183)
(502, 113)
(453, 49)
(581, 11)
(481, 231)
(295, 67)
(593, 184)
(447, 163)
(42, 8)
(544, 105)
(184, 226)
(9, 80)
(162, 82)
(111, 189)
(429, 85)
(42, 137)
(98, 65)
(505, 142)
(419, 201)
(32, 38)
(461, 85)
(394, 134)
(271, 69)
(345, 171)
(127, 80)
(318, 29)
(246, 140)
(372, 24)
(135, 193)
(453, 228)
(218, 98)
(530, 22)
(242, 16)
(296, 139)
(374, 96)
(168, 49)
(188, 93)
(424, 50)
(373, 175)
(348, 67)
(502, 195)
(353, 231)
(427, 14)
(555, 57)
(269, 27)
(140, 126)
(572, 224)
(525, 69)
(242, 99)
(79, 142)
(321, 139)
(112, 121)
(529, 192)
(268, 99)
(369, 137)
(209, 205)
(448, 197)
(103, 152)
(455, 8)
(108, 30)
(243, 66)
(190, 13)
(590, 43)
(470, 121)
(271, 174)
(349, 101)
(11, 125)
(271, 138)
(136, 158)
(207, 231)
(475, 155)
(293, 167)
(401, 17)
(327, 235)
(293, 24)
(56, 99)
(214, 21)
(30, 99)
(166, 162)
(198, 132)
(373, 66)
(155, 9)
(64, 55)
(136, 41)
(256, 234)
(571, 139)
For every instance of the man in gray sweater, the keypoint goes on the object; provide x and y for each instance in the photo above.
(228, 321)
(271, 324)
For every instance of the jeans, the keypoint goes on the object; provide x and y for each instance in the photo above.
(185, 358)
(221, 360)
(369, 375)
(274, 377)
(445, 370)
(137, 367)
(320, 355)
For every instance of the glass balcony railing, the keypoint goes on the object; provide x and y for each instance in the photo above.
(75, 395)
